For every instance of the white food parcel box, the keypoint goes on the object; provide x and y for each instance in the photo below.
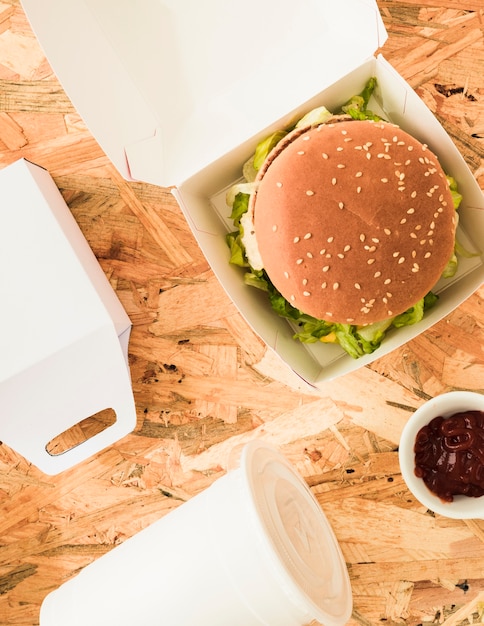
(178, 93)
(65, 334)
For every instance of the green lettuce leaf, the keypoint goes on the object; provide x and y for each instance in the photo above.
(265, 146)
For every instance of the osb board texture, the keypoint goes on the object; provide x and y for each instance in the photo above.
(204, 383)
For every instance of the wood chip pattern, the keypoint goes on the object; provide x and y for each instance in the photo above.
(204, 383)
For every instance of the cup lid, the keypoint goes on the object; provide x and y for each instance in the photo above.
(305, 549)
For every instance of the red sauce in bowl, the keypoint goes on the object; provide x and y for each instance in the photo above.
(449, 455)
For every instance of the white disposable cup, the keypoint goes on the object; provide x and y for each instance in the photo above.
(254, 548)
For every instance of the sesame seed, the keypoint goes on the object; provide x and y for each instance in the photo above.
(333, 181)
(330, 239)
(370, 261)
(400, 143)
(296, 240)
(368, 155)
(403, 220)
(427, 255)
(413, 235)
(306, 293)
(357, 286)
(341, 255)
(387, 231)
(385, 300)
(328, 255)
(395, 254)
(341, 205)
(325, 156)
(325, 268)
(408, 161)
(286, 274)
(358, 190)
(375, 240)
(309, 255)
(390, 313)
(410, 148)
(339, 149)
(299, 261)
(347, 139)
(377, 274)
(401, 260)
(350, 319)
(387, 281)
(305, 281)
(340, 166)
(301, 152)
(293, 298)
(411, 211)
(307, 236)
(414, 254)
(324, 285)
(384, 180)
(413, 194)
(274, 228)
(358, 174)
(362, 237)
(328, 314)
(380, 155)
(346, 248)
(358, 147)
(323, 251)
(309, 192)
(335, 286)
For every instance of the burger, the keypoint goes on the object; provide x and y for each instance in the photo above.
(348, 222)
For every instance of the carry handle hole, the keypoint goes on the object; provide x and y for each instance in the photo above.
(81, 432)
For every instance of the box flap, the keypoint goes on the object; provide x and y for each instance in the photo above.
(169, 86)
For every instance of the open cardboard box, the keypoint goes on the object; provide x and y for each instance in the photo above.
(179, 93)
(64, 334)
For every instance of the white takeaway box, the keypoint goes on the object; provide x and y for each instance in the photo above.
(178, 93)
(64, 333)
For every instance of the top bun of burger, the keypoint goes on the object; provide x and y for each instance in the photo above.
(354, 220)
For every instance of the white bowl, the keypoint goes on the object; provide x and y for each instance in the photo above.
(446, 404)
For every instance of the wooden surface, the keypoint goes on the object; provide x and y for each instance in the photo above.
(203, 382)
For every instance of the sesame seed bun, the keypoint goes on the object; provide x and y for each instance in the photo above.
(354, 220)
